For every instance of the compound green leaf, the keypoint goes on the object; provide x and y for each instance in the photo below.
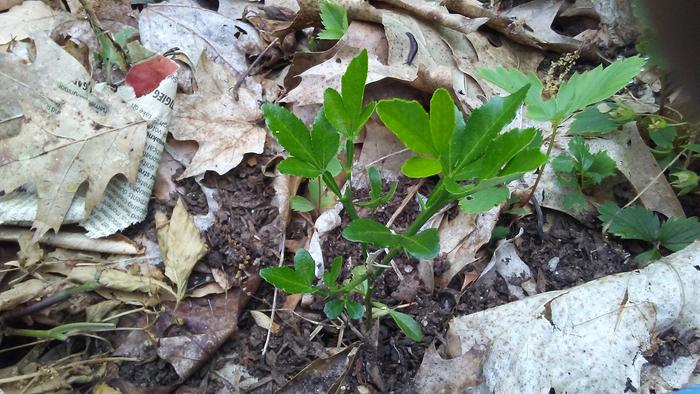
(298, 167)
(355, 310)
(334, 19)
(633, 222)
(677, 232)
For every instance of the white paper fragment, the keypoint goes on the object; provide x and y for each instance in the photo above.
(587, 339)
(123, 205)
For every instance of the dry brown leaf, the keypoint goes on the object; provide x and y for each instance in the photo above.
(115, 279)
(263, 321)
(21, 293)
(316, 79)
(432, 13)
(437, 375)
(114, 10)
(181, 246)
(528, 24)
(115, 244)
(65, 140)
(224, 128)
(195, 30)
(23, 19)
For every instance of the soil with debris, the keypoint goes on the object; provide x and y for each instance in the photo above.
(306, 335)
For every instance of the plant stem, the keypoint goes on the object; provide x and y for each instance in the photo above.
(48, 301)
(347, 203)
(555, 127)
(438, 199)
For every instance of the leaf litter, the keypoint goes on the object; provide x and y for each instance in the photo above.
(238, 211)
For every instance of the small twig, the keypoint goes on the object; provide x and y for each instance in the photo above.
(409, 196)
(398, 152)
(234, 89)
(540, 218)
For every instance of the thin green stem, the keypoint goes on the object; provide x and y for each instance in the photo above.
(438, 199)
(555, 127)
(347, 203)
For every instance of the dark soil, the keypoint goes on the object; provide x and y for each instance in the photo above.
(244, 236)
(584, 255)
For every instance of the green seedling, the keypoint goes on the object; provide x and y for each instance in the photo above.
(580, 170)
(637, 222)
(575, 94)
(476, 159)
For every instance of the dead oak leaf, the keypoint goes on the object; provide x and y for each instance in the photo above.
(181, 246)
(68, 138)
(224, 128)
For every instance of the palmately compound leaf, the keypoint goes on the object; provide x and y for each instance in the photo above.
(592, 121)
(635, 222)
(344, 109)
(424, 245)
(590, 87)
(677, 233)
(580, 91)
(371, 232)
(333, 308)
(334, 19)
(311, 152)
(483, 125)
(579, 167)
(407, 324)
(484, 200)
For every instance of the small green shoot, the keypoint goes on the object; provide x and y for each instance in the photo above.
(575, 94)
(476, 158)
(579, 169)
(637, 222)
(334, 19)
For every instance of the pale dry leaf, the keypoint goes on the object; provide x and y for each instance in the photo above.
(195, 30)
(539, 15)
(115, 244)
(97, 312)
(224, 128)
(433, 13)
(23, 19)
(438, 375)
(68, 138)
(21, 293)
(30, 253)
(316, 79)
(381, 149)
(115, 279)
(263, 321)
(113, 10)
(181, 245)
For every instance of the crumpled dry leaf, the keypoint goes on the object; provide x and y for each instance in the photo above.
(437, 375)
(462, 237)
(263, 321)
(116, 279)
(434, 13)
(316, 79)
(224, 128)
(65, 141)
(115, 244)
(529, 24)
(181, 245)
(23, 19)
(589, 338)
(195, 30)
(21, 293)
(324, 375)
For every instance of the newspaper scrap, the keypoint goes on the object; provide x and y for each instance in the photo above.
(151, 99)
